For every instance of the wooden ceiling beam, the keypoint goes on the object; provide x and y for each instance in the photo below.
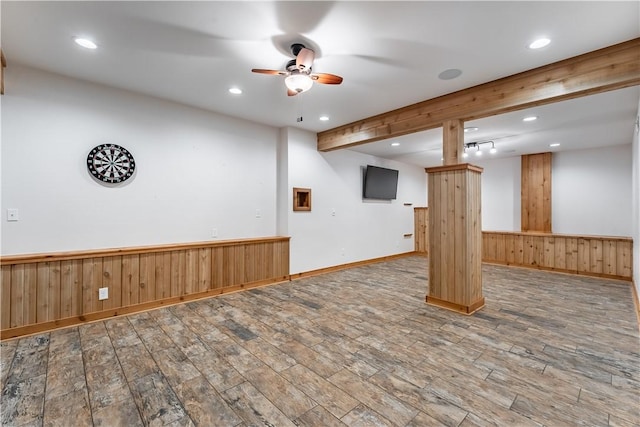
(610, 68)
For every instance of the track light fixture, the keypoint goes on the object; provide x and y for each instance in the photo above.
(476, 145)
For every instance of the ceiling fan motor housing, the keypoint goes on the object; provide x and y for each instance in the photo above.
(296, 48)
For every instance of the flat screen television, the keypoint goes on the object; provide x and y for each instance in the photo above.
(380, 183)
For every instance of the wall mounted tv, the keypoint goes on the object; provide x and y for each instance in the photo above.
(380, 183)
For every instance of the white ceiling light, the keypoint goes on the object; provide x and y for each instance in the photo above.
(298, 82)
(86, 43)
(324, 118)
(540, 43)
(478, 152)
(530, 118)
(235, 90)
(395, 144)
(555, 144)
(493, 150)
(470, 129)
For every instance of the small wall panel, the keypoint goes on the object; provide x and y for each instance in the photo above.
(590, 255)
(43, 291)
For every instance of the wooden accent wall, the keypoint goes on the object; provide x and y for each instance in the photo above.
(455, 238)
(535, 191)
(600, 256)
(421, 229)
(41, 292)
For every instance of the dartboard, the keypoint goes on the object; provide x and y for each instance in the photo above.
(110, 163)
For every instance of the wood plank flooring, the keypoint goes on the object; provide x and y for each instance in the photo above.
(357, 347)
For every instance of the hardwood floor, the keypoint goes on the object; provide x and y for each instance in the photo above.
(357, 347)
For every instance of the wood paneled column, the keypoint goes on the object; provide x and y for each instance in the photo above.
(455, 238)
(453, 141)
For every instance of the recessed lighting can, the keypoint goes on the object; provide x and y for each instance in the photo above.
(86, 43)
(395, 144)
(470, 129)
(450, 74)
(324, 118)
(539, 43)
(235, 90)
(530, 118)
(555, 144)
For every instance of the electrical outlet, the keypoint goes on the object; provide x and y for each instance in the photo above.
(12, 215)
(258, 213)
(103, 293)
(214, 232)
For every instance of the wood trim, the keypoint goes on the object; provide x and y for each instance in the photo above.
(354, 264)
(574, 236)
(97, 253)
(458, 308)
(610, 68)
(458, 167)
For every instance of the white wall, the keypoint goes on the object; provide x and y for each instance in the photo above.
(500, 194)
(591, 191)
(195, 170)
(359, 230)
(636, 202)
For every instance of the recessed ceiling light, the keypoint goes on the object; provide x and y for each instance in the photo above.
(324, 118)
(395, 144)
(470, 129)
(530, 118)
(450, 74)
(86, 43)
(235, 90)
(555, 144)
(540, 43)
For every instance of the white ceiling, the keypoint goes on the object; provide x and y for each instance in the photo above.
(389, 53)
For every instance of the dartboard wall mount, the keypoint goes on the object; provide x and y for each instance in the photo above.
(110, 164)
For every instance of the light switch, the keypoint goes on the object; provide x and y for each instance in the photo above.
(12, 215)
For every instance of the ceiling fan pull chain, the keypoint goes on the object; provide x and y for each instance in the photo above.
(300, 108)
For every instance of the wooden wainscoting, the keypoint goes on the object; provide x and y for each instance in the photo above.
(44, 291)
(590, 255)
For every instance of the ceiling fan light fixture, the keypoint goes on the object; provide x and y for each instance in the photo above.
(298, 82)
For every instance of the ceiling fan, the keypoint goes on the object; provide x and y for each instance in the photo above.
(299, 77)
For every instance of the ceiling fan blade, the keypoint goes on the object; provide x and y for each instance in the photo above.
(304, 59)
(291, 92)
(272, 72)
(327, 79)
